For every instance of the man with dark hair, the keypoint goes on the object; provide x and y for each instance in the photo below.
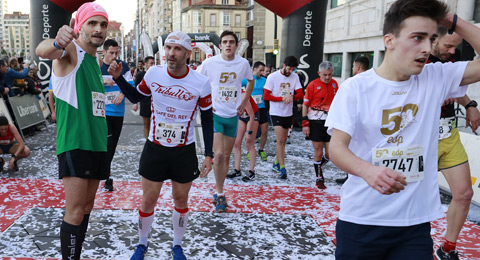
(81, 125)
(114, 102)
(452, 158)
(249, 123)
(4, 89)
(257, 94)
(360, 64)
(145, 103)
(225, 73)
(267, 71)
(384, 134)
(169, 152)
(11, 74)
(319, 95)
(281, 88)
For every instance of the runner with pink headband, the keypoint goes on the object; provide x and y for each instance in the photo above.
(86, 11)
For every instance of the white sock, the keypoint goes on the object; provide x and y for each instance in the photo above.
(180, 221)
(145, 221)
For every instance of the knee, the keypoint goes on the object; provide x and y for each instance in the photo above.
(180, 201)
(463, 196)
(148, 204)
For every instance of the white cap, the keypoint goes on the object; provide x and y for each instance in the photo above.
(181, 38)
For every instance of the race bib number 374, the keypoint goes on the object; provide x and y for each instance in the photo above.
(407, 160)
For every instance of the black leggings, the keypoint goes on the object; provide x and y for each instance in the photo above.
(115, 124)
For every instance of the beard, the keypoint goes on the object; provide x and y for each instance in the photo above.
(92, 41)
(285, 72)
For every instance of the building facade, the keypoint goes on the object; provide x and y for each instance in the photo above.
(16, 34)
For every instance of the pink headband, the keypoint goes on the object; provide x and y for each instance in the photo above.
(85, 12)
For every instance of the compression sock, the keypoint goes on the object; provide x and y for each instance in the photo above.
(82, 231)
(68, 240)
(180, 221)
(145, 221)
(317, 167)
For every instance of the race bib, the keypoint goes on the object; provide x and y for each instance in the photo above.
(258, 99)
(227, 94)
(98, 104)
(446, 126)
(406, 160)
(110, 96)
(284, 90)
(170, 133)
(314, 114)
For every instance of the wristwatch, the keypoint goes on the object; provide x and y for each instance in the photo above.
(472, 103)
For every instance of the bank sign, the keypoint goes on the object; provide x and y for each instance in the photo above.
(27, 110)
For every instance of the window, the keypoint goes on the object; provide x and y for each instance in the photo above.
(224, 2)
(250, 15)
(336, 60)
(197, 18)
(336, 3)
(213, 20)
(226, 19)
(237, 20)
(238, 35)
(369, 55)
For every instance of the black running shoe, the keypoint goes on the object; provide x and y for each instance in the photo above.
(109, 184)
(440, 255)
(250, 176)
(234, 174)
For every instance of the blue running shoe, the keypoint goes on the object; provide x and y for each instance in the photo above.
(177, 253)
(276, 167)
(139, 252)
(221, 204)
(283, 173)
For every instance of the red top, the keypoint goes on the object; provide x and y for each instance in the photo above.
(319, 95)
(8, 139)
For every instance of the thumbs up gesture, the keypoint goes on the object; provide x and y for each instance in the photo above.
(66, 34)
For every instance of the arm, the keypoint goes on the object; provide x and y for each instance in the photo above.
(20, 148)
(17, 75)
(130, 92)
(267, 95)
(298, 94)
(206, 117)
(472, 114)
(51, 104)
(246, 97)
(118, 99)
(305, 122)
(471, 34)
(382, 179)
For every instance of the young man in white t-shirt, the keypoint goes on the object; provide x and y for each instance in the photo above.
(225, 73)
(281, 88)
(384, 127)
(169, 153)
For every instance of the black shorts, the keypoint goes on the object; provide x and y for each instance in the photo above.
(83, 164)
(159, 163)
(146, 107)
(285, 122)
(318, 131)
(246, 119)
(263, 116)
(6, 148)
(355, 241)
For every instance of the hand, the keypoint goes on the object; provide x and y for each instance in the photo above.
(10, 163)
(6, 90)
(287, 98)
(447, 21)
(385, 180)
(448, 101)
(109, 82)
(241, 108)
(54, 116)
(135, 107)
(473, 118)
(306, 130)
(206, 166)
(66, 34)
(118, 99)
(115, 69)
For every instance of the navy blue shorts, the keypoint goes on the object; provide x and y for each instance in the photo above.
(366, 242)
